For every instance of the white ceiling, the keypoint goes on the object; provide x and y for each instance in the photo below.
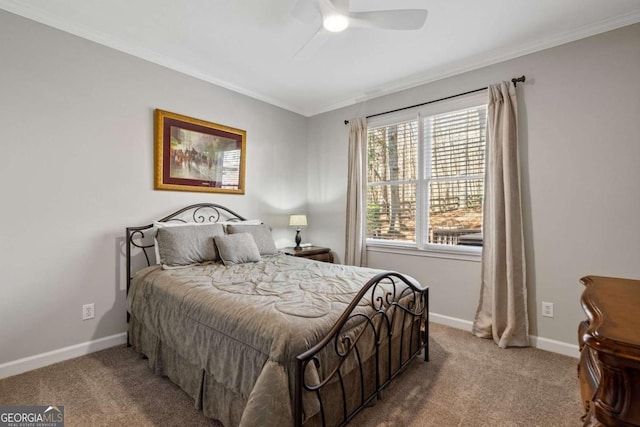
(251, 46)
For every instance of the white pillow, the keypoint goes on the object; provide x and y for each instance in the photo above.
(244, 221)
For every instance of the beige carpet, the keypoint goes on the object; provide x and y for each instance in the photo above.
(468, 382)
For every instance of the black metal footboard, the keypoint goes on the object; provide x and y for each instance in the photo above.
(364, 351)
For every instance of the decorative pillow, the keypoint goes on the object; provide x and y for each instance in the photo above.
(187, 244)
(158, 225)
(154, 232)
(237, 248)
(261, 235)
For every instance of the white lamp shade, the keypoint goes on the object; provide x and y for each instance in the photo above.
(298, 221)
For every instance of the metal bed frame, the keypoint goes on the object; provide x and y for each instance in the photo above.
(405, 303)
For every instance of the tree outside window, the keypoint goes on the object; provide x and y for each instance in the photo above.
(434, 161)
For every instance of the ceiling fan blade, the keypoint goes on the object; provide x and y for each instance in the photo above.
(305, 11)
(326, 7)
(312, 46)
(405, 19)
(341, 6)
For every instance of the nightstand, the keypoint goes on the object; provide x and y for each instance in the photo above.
(312, 252)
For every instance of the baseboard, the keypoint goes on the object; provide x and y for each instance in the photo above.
(40, 360)
(571, 350)
(536, 342)
(454, 322)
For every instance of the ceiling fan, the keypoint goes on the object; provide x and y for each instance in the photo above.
(336, 17)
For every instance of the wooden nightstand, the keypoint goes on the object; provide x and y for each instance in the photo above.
(312, 252)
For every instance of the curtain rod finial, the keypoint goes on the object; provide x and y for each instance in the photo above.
(517, 80)
(346, 122)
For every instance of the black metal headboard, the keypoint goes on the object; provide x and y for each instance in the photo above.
(198, 213)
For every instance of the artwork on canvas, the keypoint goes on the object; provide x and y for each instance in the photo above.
(195, 155)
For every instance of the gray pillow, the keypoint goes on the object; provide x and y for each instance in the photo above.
(188, 244)
(261, 235)
(237, 248)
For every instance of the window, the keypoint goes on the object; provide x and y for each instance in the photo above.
(432, 158)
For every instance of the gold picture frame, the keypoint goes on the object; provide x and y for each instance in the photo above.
(196, 155)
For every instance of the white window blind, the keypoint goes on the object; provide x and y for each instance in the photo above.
(425, 178)
(455, 145)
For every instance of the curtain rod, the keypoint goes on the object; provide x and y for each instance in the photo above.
(514, 80)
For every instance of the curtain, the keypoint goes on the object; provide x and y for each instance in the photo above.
(502, 309)
(355, 250)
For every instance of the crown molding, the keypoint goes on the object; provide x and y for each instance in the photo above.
(484, 60)
(26, 10)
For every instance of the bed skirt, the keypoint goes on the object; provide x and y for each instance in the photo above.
(218, 402)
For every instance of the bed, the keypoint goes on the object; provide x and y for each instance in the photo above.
(257, 337)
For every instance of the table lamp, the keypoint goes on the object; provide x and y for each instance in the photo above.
(298, 221)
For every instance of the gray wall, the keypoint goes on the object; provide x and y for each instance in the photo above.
(77, 144)
(580, 155)
(77, 168)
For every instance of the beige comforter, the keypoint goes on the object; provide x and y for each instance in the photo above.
(243, 325)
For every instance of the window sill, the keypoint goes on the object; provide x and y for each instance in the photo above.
(462, 253)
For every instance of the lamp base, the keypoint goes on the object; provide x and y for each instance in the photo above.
(298, 239)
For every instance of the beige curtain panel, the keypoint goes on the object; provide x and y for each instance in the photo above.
(502, 309)
(355, 249)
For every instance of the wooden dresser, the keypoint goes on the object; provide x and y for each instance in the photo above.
(609, 368)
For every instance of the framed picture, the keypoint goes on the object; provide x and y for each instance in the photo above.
(195, 155)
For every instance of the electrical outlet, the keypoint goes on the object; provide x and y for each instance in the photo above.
(88, 311)
(547, 309)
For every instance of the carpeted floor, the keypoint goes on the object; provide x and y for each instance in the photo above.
(468, 382)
